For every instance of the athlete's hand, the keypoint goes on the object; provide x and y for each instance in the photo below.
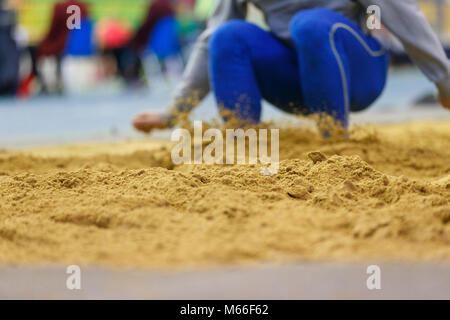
(445, 102)
(444, 93)
(148, 121)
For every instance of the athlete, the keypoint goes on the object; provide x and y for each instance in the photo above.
(318, 57)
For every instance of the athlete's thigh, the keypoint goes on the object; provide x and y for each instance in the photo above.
(276, 70)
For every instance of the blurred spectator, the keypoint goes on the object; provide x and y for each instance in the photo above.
(112, 37)
(55, 42)
(158, 10)
(9, 54)
(128, 57)
(155, 46)
(112, 33)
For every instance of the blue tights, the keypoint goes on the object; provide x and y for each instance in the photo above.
(332, 68)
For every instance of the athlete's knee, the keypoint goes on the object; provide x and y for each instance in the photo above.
(229, 38)
(312, 20)
(310, 29)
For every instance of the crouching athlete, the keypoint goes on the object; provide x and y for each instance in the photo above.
(317, 57)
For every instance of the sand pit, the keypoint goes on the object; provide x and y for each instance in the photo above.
(384, 194)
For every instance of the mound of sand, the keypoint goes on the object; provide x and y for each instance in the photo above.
(382, 194)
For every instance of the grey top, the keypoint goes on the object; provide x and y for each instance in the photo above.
(402, 17)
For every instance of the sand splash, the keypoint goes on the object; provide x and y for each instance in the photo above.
(383, 194)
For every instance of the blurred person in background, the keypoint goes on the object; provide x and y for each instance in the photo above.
(54, 43)
(9, 53)
(129, 57)
(112, 37)
(159, 9)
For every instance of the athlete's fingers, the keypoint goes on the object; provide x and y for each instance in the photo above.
(148, 121)
(445, 102)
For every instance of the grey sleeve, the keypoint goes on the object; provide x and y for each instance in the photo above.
(194, 85)
(405, 20)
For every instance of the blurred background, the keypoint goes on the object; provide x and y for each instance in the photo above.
(118, 41)
(59, 85)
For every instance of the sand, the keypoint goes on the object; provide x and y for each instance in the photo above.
(383, 194)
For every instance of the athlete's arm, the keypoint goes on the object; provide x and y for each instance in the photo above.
(405, 20)
(194, 85)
